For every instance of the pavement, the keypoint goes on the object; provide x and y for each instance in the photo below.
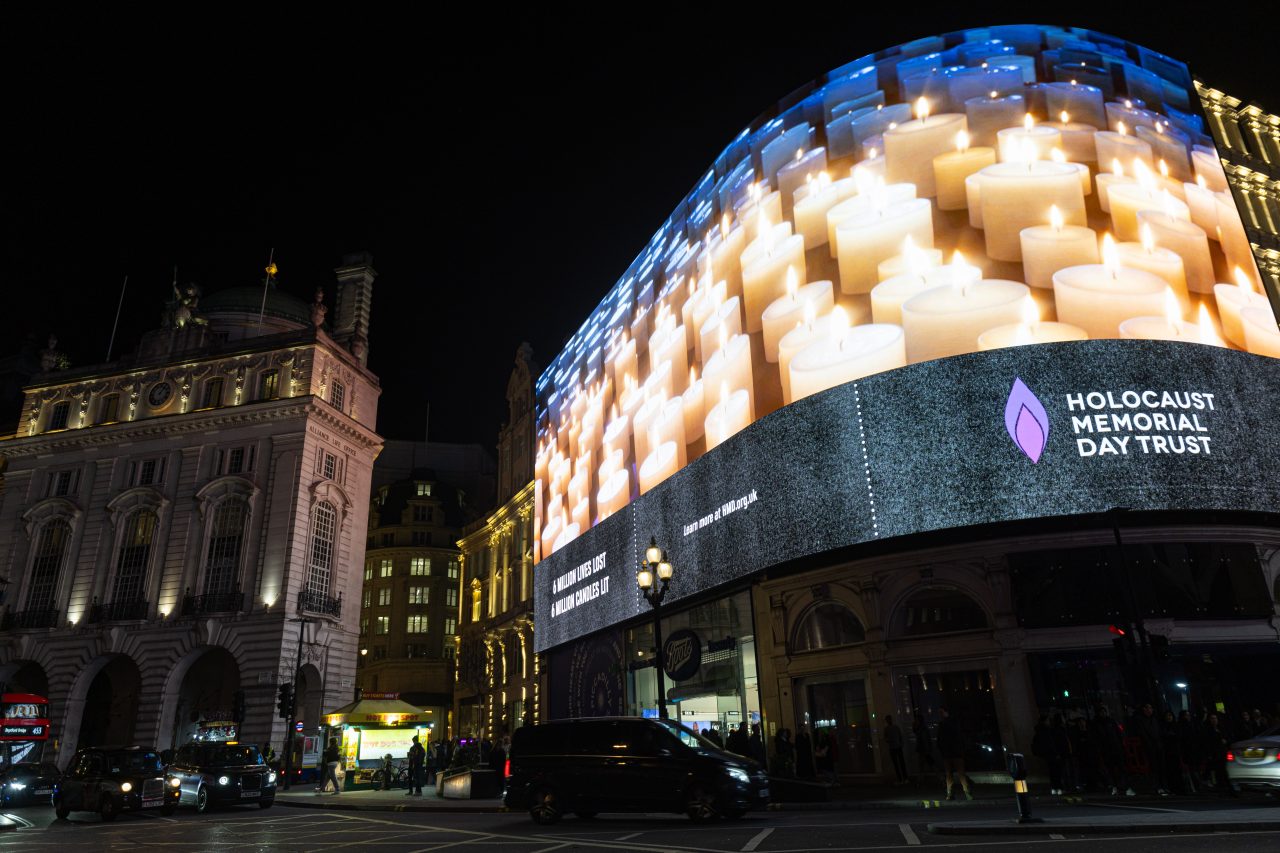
(1150, 821)
(395, 800)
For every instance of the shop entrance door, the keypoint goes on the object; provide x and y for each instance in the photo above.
(837, 710)
(969, 696)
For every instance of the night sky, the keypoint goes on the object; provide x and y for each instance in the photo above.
(503, 171)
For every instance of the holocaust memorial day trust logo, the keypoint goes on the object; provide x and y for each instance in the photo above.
(1128, 422)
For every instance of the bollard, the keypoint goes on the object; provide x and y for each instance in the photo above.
(1018, 771)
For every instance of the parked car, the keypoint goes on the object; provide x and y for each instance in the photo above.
(1254, 763)
(28, 782)
(111, 780)
(222, 774)
(627, 764)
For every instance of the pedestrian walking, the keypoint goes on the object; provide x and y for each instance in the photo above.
(893, 741)
(951, 744)
(332, 758)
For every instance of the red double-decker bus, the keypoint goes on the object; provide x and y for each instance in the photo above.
(24, 727)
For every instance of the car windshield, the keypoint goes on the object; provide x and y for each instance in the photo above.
(226, 755)
(686, 735)
(134, 762)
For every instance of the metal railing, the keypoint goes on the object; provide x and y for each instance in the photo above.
(120, 611)
(315, 602)
(212, 602)
(27, 619)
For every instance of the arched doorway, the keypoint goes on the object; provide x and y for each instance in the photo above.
(111, 704)
(309, 696)
(206, 698)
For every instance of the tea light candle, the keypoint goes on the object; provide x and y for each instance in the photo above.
(1015, 196)
(1077, 138)
(973, 195)
(947, 320)
(783, 314)
(964, 84)
(581, 514)
(951, 168)
(1146, 255)
(1082, 171)
(1030, 331)
(1099, 297)
(1168, 144)
(1188, 241)
(1105, 180)
(813, 328)
(551, 533)
(1123, 147)
(646, 417)
(693, 407)
(728, 417)
(1013, 142)
(865, 239)
(1208, 167)
(1127, 200)
(764, 279)
(1232, 299)
(722, 324)
(731, 365)
(669, 345)
(759, 210)
(1261, 337)
(871, 196)
(811, 206)
(1204, 208)
(658, 466)
(910, 147)
(725, 252)
(792, 176)
(669, 426)
(888, 297)
(567, 535)
(1231, 233)
(615, 493)
(1085, 103)
(1049, 248)
(912, 259)
(989, 114)
(847, 355)
(624, 361)
(1128, 113)
(1170, 327)
(617, 436)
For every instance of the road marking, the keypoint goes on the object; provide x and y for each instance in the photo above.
(553, 847)
(908, 833)
(1056, 836)
(755, 842)
(629, 837)
(1140, 808)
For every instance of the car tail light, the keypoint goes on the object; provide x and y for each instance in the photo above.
(1231, 756)
(506, 769)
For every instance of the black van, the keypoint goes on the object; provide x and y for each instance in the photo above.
(627, 764)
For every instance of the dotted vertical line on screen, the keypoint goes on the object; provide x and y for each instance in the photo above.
(866, 460)
(635, 555)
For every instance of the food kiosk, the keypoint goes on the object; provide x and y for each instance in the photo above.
(376, 725)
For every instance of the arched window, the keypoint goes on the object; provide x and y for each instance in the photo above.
(51, 550)
(324, 524)
(939, 611)
(226, 541)
(134, 556)
(827, 625)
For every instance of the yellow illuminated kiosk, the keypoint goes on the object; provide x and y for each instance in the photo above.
(373, 726)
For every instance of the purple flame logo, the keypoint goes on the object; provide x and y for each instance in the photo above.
(1026, 420)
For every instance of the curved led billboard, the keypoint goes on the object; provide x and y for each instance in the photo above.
(1027, 213)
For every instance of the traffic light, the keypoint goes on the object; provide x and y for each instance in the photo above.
(237, 707)
(1123, 644)
(285, 700)
(1159, 646)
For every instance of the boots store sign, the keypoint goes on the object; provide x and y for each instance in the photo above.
(1020, 433)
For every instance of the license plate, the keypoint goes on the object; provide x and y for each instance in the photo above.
(1255, 753)
(151, 804)
(40, 792)
(247, 794)
(764, 792)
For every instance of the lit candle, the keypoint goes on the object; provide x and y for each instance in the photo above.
(782, 316)
(624, 360)
(910, 147)
(964, 84)
(759, 210)
(658, 465)
(1234, 298)
(669, 426)
(1146, 255)
(947, 320)
(1170, 327)
(1261, 336)
(1082, 171)
(581, 514)
(1188, 241)
(1127, 200)
(865, 239)
(693, 405)
(1030, 331)
(615, 493)
(888, 297)
(1015, 196)
(952, 167)
(726, 249)
(792, 176)
(872, 195)
(1168, 144)
(1086, 103)
(1129, 114)
(1123, 147)
(764, 278)
(1208, 167)
(722, 324)
(1013, 142)
(845, 355)
(1077, 138)
(1099, 297)
(1201, 201)
(986, 115)
(1105, 180)
(646, 417)
(567, 535)
(669, 344)
(732, 365)
(812, 203)
(805, 333)
(731, 415)
(1231, 233)
(1049, 248)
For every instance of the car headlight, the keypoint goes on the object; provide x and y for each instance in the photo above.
(271, 777)
(126, 786)
(175, 782)
(17, 786)
(739, 774)
(224, 780)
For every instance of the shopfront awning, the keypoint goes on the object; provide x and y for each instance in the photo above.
(378, 709)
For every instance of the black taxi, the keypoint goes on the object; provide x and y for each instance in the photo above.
(222, 774)
(110, 780)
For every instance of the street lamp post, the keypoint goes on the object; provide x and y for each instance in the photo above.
(654, 578)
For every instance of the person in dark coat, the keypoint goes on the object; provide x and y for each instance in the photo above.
(893, 742)
(713, 734)
(1213, 746)
(1145, 726)
(417, 758)
(1108, 743)
(785, 752)
(1190, 747)
(951, 746)
(755, 746)
(738, 741)
(804, 754)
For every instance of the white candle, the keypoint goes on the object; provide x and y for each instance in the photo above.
(847, 355)
(910, 147)
(1170, 327)
(992, 113)
(1203, 205)
(1086, 103)
(1233, 299)
(1014, 142)
(964, 84)
(947, 320)
(1208, 167)
(1082, 171)
(1049, 248)
(952, 167)
(1190, 243)
(1106, 180)
(567, 535)
(1168, 144)
(782, 316)
(669, 426)
(871, 196)
(670, 344)
(865, 239)
(723, 323)
(1128, 200)
(1077, 138)
(1015, 196)
(615, 493)
(646, 417)
(1099, 297)
(1030, 331)
(759, 210)
(792, 176)
(913, 259)
(1146, 255)
(731, 365)
(1120, 146)
(888, 297)
(1231, 233)
(811, 206)
(658, 466)
(581, 514)
(731, 415)
(1261, 336)
(793, 342)
(765, 278)
(693, 404)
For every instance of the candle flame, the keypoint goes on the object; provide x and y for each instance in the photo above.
(892, 125)
(754, 191)
(839, 321)
(1201, 182)
(1055, 217)
(1128, 104)
(1148, 238)
(1110, 257)
(1064, 117)
(799, 154)
(1073, 83)
(1143, 173)
(1208, 334)
(1028, 121)
(872, 152)
(915, 259)
(862, 180)
(693, 375)
(1121, 129)
(1159, 127)
(922, 108)
(1030, 311)
(1163, 167)
(994, 94)
(1172, 310)
(962, 141)
(1116, 168)
(1057, 155)
(724, 225)
(984, 64)
(791, 283)
(1243, 280)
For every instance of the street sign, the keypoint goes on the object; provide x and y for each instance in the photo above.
(297, 727)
